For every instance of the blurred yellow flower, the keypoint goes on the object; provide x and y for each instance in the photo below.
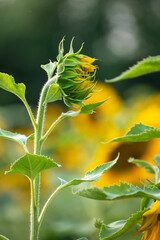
(148, 111)
(101, 123)
(123, 171)
(151, 223)
(71, 155)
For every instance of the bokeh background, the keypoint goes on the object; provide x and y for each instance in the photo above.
(118, 33)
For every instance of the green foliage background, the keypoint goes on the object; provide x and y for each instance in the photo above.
(118, 33)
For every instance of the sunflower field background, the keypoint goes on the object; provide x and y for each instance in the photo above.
(117, 33)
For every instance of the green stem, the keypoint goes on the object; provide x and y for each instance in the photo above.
(30, 114)
(34, 222)
(47, 204)
(54, 124)
(3, 237)
(37, 150)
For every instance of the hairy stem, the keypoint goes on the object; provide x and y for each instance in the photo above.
(30, 114)
(37, 150)
(47, 204)
(34, 223)
(54, 124)
(3, 237)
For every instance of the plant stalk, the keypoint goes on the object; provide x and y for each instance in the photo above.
(37, 150)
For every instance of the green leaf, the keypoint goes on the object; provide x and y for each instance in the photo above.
(116, 229)
(148, 65)
(31, 165)
(88, 109)
(53, 93)
(125, 190)
(85, 109)
(146, 203)
(90, 176)
(21, 139)
(7, 83)
(49, 68)
(139, 133)
(147, 166)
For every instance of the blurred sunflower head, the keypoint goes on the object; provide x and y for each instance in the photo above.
(103, 123)
(76, 75)
(123, 170)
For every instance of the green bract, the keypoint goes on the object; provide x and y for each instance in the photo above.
(76, 75)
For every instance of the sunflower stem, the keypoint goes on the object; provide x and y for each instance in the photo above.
(35, 191)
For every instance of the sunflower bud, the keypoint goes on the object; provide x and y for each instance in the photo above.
(76, 75)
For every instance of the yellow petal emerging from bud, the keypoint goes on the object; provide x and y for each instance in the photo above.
(151, 223)
(76, 76)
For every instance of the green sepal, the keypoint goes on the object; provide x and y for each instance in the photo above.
(49, 68)
(148, 65)
(68, 74)
(89, 108)
(7, 83)
(60, 68)
(71, 61)
(116, 229)
(90, 176)
(139, 133)
(85, 109)
(67, 83)
(122, 191)
(147, 166)
(53, 93)
(71, 51)
(31, 165)
(60, 50)
(19, 138)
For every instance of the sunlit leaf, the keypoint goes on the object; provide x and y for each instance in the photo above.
(148, 65)
(7, 83)
(115, 192)
(90, 176)
(19, 138)
(116, 229)
(85, 109)
(88, 108)
(31, 165)
(147, 166)
(139, 133)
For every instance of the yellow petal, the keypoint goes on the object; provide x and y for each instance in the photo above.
(86, 59)
(155, 209)
(88, 67)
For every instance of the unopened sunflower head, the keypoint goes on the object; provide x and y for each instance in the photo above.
(76, 75)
